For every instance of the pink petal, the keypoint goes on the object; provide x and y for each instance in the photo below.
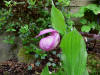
(56, 39)
(50, 42)
(45, 31)
(46, 42)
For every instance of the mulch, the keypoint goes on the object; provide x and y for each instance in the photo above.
(14, 67)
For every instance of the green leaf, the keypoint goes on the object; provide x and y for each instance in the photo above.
(60, 0)
(80, 13)
(93, 25)
(59, 73)
(65, 2)
(9, 39)
(7, 3)
(45, 71)
(31, 2)
(24, 29)
(29, 67)
(86, 72)
(85, 28)
(74, 50)
(83, 21)
(93, 7)
(70, 22)
(58, 21)
(10, 29)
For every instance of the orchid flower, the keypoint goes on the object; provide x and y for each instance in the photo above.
(50, 42)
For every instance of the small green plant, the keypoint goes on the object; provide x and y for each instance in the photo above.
(23, 20)
(9, 39)
(64, 2)
(4, 15)
(88, 15)
(12, 3)
(73, 48)
(31, 3)
(45, 71)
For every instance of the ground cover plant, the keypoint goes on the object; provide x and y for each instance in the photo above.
(50, 42)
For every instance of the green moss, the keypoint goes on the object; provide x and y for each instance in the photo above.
(23, 57)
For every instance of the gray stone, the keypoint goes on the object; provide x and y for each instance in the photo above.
(8, 51)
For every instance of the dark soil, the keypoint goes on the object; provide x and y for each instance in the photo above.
(13, 67)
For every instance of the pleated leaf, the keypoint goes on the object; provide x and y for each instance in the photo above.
(60, 72)
(58, 21)
(86, 72)
(45, 71)
(75, 54)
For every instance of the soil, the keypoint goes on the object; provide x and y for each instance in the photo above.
(14, 67)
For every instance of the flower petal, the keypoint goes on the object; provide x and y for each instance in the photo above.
(45, 31)
(50, 42)
(56, 39)
(46, 42)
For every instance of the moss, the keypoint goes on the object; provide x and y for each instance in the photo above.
(23, 57)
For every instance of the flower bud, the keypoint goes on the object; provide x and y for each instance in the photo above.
(50, 42)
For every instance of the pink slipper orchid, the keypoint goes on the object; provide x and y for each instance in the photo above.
(50, 42)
